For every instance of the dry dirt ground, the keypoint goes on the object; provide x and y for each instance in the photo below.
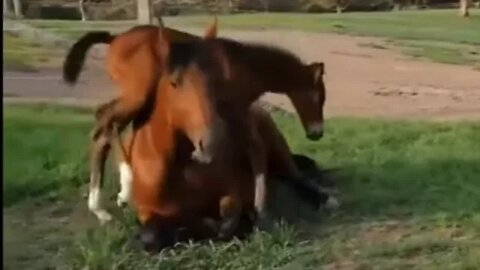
(362, 80)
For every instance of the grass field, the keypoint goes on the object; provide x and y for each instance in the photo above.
(26, 56)
(410, 201)
(438, 35)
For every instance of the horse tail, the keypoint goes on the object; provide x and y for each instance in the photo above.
(76, 55)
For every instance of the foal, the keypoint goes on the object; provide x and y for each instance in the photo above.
(134, 62)
(238, 74)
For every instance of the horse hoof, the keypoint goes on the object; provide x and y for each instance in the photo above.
(104, 217)
(121, 201)
(332, 203)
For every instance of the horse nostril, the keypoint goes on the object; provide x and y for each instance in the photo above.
(315, 131)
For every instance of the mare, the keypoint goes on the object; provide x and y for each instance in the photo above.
(169, 189)
(133, 62)
(239, 73)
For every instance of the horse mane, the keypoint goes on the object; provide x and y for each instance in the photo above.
(237, 49)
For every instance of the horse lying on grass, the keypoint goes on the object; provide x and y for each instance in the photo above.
(237, 74)
(191, 195)
(154, 236)
(169, 189)
(134, 63)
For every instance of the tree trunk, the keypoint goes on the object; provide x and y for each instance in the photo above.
(265, 5)
(144, 11)
(340, 5)
(7, 7)
(17, 6)
(81, 7)
(339, 9)
(464, 6)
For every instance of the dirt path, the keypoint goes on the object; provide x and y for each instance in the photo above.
(361, 80)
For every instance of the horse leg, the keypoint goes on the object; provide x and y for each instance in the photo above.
(257, 155)
(102, 116)
(98, 157)
(258, 163)
(279, 153)
(230, 214)
(124, 169)
(105, 125)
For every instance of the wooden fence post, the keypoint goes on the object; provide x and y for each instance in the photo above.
(144, 11)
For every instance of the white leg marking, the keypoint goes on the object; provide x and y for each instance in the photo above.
(126, 179)
(94, 199)
(260, 194)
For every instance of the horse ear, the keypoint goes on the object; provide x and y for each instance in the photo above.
(318, 70)
(211, 31)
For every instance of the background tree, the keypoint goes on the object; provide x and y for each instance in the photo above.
(341, 5)
(7, 7)
(144, 11)
(464, 6)
(265, 4)
(81, 8)
(17, 8)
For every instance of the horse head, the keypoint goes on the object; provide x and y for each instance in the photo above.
(194, 114)
(310, 99)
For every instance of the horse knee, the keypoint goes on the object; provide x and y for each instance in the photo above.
(230, 212)
(154, 236)
(149, 240)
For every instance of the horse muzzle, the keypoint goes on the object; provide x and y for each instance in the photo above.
(315, 131)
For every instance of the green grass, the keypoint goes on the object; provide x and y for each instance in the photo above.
(24, 56)
(438, 35)
(45, 149)
(409, 191)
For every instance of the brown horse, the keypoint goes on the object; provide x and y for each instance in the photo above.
(134, 62)
(171, 190)
(238, 74)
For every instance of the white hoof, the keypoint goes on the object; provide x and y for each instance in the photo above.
(94, 205)
(103, 216)
(122, 200)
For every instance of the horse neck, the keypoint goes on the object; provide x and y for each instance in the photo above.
(270, 70)
(168, 145)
